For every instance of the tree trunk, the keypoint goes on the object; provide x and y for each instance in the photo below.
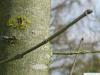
(23, 24)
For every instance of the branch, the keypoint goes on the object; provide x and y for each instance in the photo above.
(21, 55)
(76, 56)
(74, 53)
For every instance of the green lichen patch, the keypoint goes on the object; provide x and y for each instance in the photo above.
(19, 22)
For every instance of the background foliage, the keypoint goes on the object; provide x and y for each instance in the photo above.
(62, 12)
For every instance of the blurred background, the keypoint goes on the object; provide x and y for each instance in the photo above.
(88, 28)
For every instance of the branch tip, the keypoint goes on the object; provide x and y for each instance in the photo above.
(89, 11)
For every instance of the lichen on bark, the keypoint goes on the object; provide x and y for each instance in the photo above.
(19, 22)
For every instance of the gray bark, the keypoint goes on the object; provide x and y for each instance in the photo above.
(23, 24)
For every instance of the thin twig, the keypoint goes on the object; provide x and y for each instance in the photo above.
(21, 55)
(74, 63)
(74, 53)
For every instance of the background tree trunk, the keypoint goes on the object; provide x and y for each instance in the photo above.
(23, 24)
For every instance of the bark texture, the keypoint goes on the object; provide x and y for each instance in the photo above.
(23, 24)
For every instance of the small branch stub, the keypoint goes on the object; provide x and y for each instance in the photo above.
(7, 39)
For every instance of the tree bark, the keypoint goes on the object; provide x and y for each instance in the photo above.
(23, 24)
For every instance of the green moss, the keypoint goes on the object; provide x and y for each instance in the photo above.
(20, 22)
